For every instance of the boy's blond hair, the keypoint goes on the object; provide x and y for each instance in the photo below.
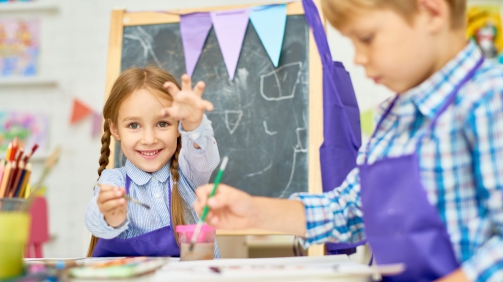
(340, 12)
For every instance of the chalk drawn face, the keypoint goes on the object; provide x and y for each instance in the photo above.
(394, 53)
(148, 140)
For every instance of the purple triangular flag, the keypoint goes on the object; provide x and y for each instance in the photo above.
(194, 29)
(96, 127)
(230, 28)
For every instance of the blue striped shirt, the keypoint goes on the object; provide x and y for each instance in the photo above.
(461, 165)
(195, 168)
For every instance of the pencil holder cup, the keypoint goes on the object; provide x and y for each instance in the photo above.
(14, 230)
(204, 247)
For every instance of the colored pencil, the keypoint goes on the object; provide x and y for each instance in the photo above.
(17, 177)
(26, 180)
(5, 179)
(20, 153)
(2, 168)
(49, 163)
(9, 150)
(13, 170)
(29, 155)
(19, 186)
(15, 147)
(17, 170)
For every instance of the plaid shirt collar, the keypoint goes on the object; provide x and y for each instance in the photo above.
(430, 95)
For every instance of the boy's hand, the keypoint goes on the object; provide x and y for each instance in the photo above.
(112, 205)
(230, 208)
(188, 106)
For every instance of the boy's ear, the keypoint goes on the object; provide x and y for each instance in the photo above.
(435, 12)
(114, 130)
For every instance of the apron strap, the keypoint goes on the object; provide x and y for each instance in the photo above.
(314, 21)
(128, 183)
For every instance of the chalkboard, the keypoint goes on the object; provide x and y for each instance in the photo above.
(268, 119)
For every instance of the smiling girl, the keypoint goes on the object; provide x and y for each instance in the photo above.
(170, 149)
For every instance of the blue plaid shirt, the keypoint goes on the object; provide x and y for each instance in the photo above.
(195, 167)
(461, 165)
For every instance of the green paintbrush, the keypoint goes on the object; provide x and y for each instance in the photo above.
(207, 208)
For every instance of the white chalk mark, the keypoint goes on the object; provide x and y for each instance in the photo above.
(145, 43)
(260, 172)
(281, 95)
(267, 131)
(149, 37)
(243, 78)
(232, 119)
(292, 173)
(299, 142)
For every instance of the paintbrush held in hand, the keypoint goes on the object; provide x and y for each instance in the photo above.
(207, 208)
(135, 201)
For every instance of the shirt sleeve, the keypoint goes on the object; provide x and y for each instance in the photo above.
(197, 165)
(95, 220)
(485, 135)
(334, 216)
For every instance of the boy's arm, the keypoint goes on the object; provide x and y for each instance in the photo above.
(233, 209)
(318, 218)
(334, 216)
(484, 131)
(95, 221)
(198, 162)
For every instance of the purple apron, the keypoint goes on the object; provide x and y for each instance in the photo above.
(400, 223)
(341, 120)
(160, 242)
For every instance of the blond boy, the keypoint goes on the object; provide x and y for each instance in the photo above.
(438, 148)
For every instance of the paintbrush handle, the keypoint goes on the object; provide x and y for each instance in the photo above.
(214, 190)
(135, 201)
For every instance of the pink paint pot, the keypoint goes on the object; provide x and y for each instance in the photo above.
(204, 247)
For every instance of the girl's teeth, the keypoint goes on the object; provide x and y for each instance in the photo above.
(149, 154)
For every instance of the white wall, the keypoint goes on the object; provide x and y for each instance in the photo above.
(74, 50)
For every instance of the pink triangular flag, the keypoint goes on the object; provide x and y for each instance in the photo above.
(230, 28)
(194, 29)
(96, 128)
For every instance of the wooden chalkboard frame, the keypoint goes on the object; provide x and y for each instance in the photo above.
(121, 19)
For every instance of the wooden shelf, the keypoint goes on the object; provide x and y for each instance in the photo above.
(9, 7)
(27, 81)
(278, 241)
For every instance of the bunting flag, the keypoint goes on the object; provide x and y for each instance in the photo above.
(230, 28)
(96, 128)
(269, 22)
(194, 29)
(79, 111)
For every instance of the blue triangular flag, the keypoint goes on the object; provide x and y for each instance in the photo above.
(270, 22)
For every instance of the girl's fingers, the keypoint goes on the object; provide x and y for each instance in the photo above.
(112, 204)
(173, 112)
(206, 105)
(199, 88)
(171, 88)
(186, 83)
(108, 192)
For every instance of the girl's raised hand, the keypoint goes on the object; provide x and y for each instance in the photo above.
(112, 204)
(188, 106)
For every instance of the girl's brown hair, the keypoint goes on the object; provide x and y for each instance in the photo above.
(131, 80)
